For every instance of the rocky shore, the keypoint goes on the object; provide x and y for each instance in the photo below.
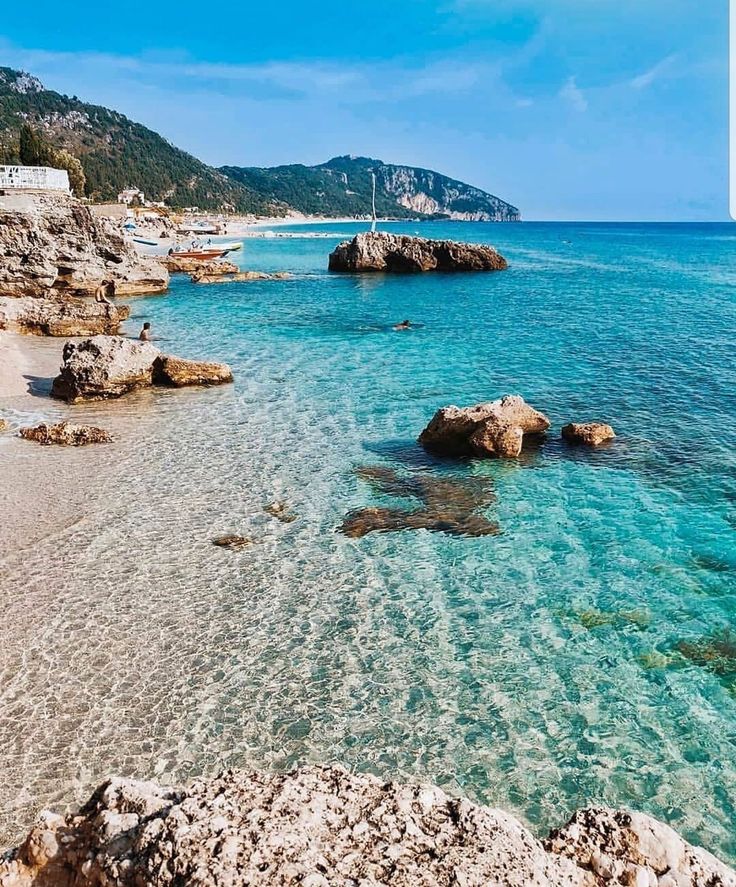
(322, 826)
(53, 252)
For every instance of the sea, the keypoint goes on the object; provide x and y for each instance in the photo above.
(584, 654)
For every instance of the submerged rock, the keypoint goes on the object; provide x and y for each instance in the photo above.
(179, 372)
(715, 651)
(380, 251)
(590, 434)
(62, 316)
(106, 367)
(450, 505)
(281, 511)
(322, 826)
(232, 541)
(66, 434)
(492, 429)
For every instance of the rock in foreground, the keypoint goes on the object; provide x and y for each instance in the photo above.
(321, 826)
(493, 429)
(590, 434)
(106, 367)
(380, 251)
(66, 434)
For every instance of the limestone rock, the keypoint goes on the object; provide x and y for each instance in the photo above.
(380, 251)
(232, 541)
(179, 372)
(322, 826)
(50, 245)
(184, 265)
(590, 434)
(104, 367)
(493, 429)
(204, 277)
(66, 434)
(62, 316)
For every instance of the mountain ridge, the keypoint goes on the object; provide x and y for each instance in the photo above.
(118, 153)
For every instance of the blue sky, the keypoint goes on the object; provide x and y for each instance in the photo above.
(571, 109)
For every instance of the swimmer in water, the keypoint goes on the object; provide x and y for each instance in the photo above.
(404, 325)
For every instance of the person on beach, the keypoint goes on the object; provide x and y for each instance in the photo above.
(145, 333)
(102, 291)
(404, 325)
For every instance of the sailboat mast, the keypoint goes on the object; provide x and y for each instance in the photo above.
(373, 202)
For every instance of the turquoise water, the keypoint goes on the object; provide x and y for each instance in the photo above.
(569, 660)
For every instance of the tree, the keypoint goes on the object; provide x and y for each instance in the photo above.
(34, 150)
(65, 160)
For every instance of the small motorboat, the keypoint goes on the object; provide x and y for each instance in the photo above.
(145, 242)
(205, 254)
(231, 247)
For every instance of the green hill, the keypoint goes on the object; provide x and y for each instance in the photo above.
(117, 153)
(342, 187)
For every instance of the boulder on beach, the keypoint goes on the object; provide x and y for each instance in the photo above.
(321, 825)
(66, 434)
(590, 434)
(380, 251)
(61, 316)
(178, 372)
(106, 367)
(493, 429)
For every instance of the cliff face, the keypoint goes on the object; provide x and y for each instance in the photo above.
(322, 826)
(343, 186)
(52, 251)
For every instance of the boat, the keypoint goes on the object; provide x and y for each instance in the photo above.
(205, 254)
(231, 247)
(145, 242)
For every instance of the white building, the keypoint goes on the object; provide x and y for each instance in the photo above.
(130, 194)
(33, 178)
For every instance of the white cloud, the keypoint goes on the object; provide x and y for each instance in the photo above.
(572, 93)
(642, 81)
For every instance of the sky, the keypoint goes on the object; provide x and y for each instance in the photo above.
(569, 109)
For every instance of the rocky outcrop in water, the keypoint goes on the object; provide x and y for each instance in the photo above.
(493, 429)
(182, 265)
(62, 316)
(240, 277)
(380, 251)
(591, 434)
(322, 826)
(178, 372)
(105, 367)
(65, 434)
(51, 245)
(449, 505)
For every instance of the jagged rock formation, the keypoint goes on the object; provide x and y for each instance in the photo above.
(380, 251)
(321, 826)
(51, 245)
(65, 434)
(493, 429)
(62, 316)
(106, 367)
(591, 434)
(343, 186)
(240, 277)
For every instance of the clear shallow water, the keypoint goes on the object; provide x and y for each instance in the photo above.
(536, 670)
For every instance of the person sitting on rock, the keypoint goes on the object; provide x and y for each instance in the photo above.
(101, 293)
(404, 325)
(145, 333)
